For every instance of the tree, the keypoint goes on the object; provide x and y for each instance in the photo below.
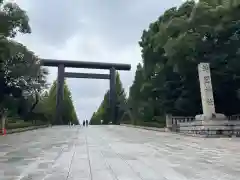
(173, 46)
(20, 72)
(68, 113)
(135, 95)
(103, 112)
(121, 99)
(95, 120)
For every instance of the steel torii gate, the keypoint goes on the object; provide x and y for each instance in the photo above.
(61, 64)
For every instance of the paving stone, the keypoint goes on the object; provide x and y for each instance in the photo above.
(116, 153)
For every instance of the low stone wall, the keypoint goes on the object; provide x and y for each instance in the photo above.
(172, 122)
(189, 125)
(212, 128)
(11, 131)
(145, 127)
(234, 117)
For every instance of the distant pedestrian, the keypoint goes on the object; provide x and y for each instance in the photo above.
(86, 122)
(83, 123)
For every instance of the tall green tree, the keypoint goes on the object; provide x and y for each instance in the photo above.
(95, 120)
(172, 48)
(20, 74)
(68, 113)
(121, 99)
(103, 112)
(135, 98)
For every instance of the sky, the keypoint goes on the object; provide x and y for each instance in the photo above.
(90, 30)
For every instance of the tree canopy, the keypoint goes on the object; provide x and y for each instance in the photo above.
(22, 80)
(47, 106)
(166, 81)
(173, 46)
(103, 112)
(21, 76)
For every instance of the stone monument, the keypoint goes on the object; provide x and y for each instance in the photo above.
(209, 123)
(208, 105)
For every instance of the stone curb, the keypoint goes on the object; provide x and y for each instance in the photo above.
(163, 130)
(179, 133)
(146, 128)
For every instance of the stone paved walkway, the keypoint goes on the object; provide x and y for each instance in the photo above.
(116, 153)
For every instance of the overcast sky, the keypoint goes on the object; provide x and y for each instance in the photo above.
(90, 30)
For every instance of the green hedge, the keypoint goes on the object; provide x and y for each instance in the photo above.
(18, 130)
(22, 125)
(12, 121)
(148, 124)
(158, 122)
(152, 124)
(16, 123)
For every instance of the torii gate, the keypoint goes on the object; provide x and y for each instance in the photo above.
(61, 64)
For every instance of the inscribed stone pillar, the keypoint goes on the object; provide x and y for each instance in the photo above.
(206, 90)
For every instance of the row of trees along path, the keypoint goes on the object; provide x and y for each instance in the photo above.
(166, 82)
(23, 97)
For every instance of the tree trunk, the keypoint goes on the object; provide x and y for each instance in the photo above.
(3, 122)
(3, 118)
(30, 112)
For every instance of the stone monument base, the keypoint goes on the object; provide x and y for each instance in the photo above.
(215, 116)
(218, 126)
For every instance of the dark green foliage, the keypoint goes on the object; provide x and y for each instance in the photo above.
(47, 106)
(103, 112)
(22, 80)
(173, 46)
(21, 77)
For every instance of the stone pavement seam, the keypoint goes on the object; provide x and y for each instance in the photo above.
(74, 152)
(32, 166)
(89, 162)
(56, 158)
(36, 163)
(156, 156)
(108, 166)
(120, 156)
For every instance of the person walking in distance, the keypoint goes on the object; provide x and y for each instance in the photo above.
(83, 123)
(86, 122)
